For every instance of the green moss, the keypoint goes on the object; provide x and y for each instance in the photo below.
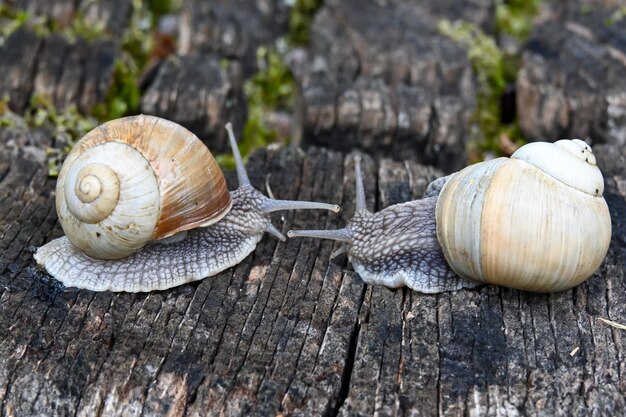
(615, 17)
(66, 127)
(494, 71)
(273, 85)
(160, 8)
(137, 44)
(300, 20)
(482, 51)
(271, 89)
(11, 20)
(137, 39)
(80, 27)
(124, 96)
(7, 117)
(515, 17)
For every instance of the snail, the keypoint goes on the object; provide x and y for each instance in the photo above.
(144, 206)
(536, 221)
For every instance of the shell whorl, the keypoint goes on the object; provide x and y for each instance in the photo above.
(96, 192)
(116, 208)
(137, 179)
(570, 161)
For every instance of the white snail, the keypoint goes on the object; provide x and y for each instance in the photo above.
(536, 221)
(144, 206)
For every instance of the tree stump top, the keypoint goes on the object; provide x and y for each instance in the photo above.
(289, 331)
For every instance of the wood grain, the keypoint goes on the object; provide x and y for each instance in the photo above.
(291, 332)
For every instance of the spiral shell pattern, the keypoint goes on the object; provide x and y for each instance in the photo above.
(96, 192)
(137, 179)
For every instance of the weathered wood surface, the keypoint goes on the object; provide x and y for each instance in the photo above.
(68, 70)
(199, 87)
(379, 76)
(77, 74)
(232, 29)
(199, 92)
(571, 83)
(217, 42)
(290, 331)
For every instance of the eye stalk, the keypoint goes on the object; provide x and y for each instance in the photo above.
(268, 205)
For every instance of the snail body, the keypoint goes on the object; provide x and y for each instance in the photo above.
(536, 221)
(144, 207)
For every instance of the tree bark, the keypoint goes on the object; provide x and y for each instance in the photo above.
(380, 77)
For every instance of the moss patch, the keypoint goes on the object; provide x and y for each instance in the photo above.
(273, 87)
(617, 16)
(270, 90)
(515, 17)
(137, 46)
(300, 21)
(495, 73)
(66, 127)
(487, 61)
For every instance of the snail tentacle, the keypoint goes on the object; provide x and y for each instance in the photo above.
(360, 189)
(396, 246)
(242, 175)
(340, 235)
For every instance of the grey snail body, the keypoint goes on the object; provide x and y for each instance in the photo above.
(536, 221)
(183, 250)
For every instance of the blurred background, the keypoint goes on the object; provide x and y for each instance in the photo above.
(444, 82)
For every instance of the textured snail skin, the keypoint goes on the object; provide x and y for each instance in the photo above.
(202, 253)
(398, 247)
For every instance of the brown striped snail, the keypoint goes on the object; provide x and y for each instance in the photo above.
(536, 221)
(144, 206)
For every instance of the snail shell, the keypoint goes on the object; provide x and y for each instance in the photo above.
(536, 221)
(134, 180)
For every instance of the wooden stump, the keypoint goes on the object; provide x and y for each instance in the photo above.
(199, 92)
(571, 83)
(289, 331)
(378, 76)
(232, 29)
